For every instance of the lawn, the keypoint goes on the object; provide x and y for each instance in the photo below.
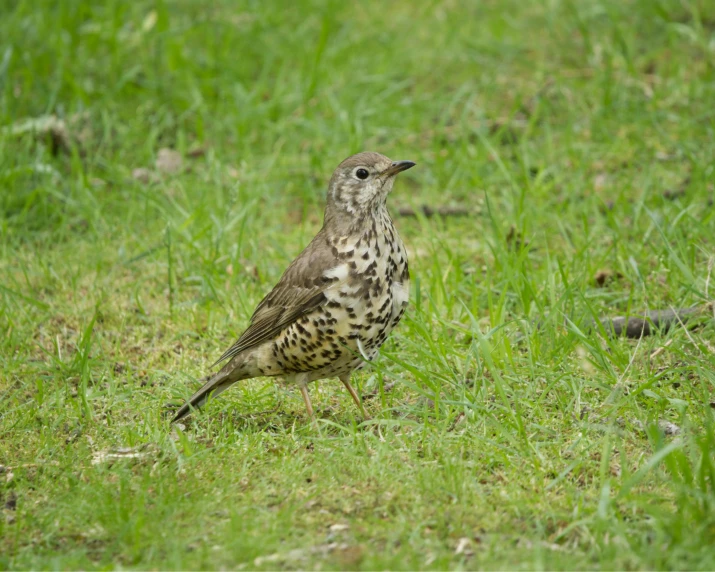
(161, 163)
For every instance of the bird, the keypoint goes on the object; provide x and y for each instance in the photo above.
(337, 302)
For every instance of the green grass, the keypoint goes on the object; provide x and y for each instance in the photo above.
(581, 137)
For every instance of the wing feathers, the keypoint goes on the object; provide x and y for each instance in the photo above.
(300, 291)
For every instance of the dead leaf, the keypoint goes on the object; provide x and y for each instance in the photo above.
(301, 553)
(197, 152)
(338, 527)
(169, 161)
(122, 454)
(44, 126)
(464, 546)
(664, 425)
(142, 174)
(615, 469)
(668, 428)
(599, 181)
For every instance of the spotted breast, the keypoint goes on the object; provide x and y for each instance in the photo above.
(370, 296)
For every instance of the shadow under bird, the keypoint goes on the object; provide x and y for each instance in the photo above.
(338, 300)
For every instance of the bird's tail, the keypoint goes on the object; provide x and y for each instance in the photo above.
(218, 383)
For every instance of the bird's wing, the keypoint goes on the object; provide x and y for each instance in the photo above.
(300, 290)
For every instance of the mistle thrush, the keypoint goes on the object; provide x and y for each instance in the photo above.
(338, 301)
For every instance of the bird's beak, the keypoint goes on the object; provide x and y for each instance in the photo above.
(397, 167)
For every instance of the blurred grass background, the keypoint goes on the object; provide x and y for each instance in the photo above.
(162, 162)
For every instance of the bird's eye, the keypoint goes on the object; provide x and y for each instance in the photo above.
(362, 174)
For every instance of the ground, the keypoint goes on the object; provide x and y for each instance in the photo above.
(161, 162)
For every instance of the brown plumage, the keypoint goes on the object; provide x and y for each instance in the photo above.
(338, 300)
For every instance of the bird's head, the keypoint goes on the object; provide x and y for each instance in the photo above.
(361, 184)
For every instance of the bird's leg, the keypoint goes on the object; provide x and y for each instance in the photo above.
(346, 382)
(302, 380)
(306, 398)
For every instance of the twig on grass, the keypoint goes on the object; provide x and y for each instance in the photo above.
(647, 323)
